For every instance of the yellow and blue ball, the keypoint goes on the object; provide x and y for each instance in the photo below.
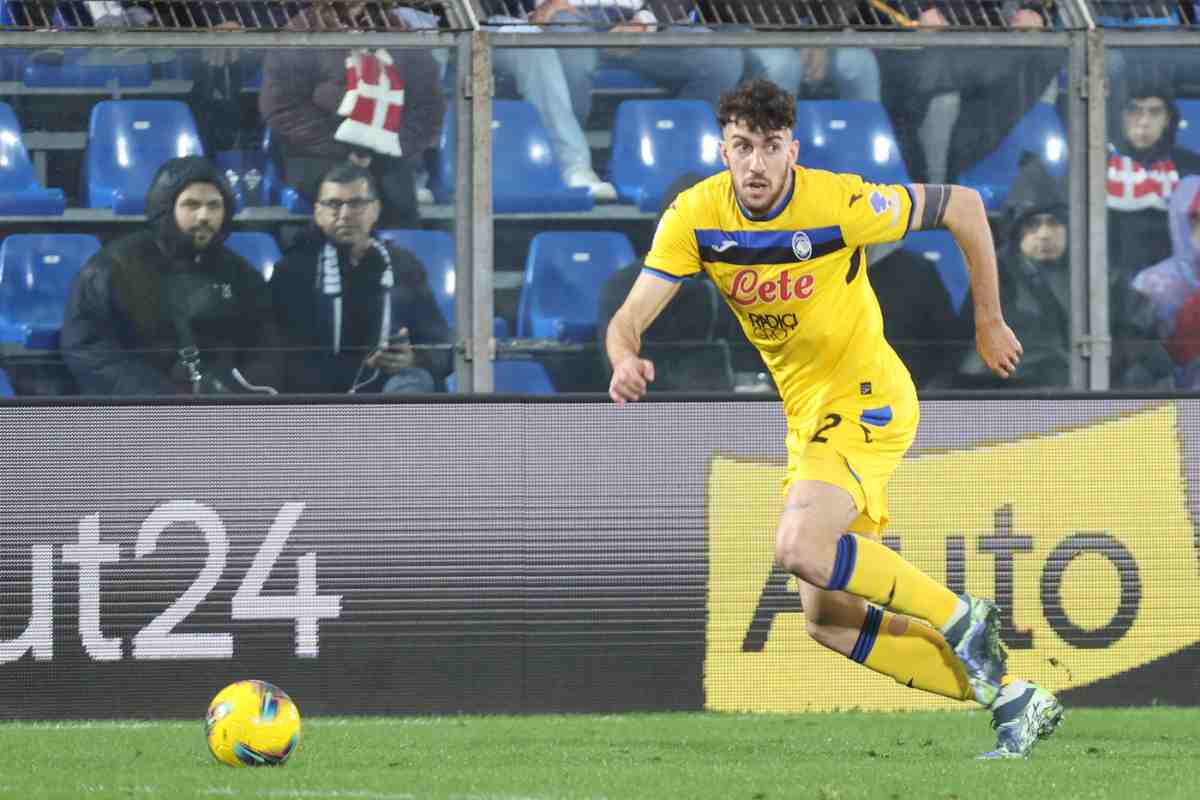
(252, 724)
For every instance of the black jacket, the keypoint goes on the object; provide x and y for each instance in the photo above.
(305, 318)
(1140, 183)
(133, 306)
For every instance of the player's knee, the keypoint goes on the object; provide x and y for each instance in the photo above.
(798, 554)
(821, 633)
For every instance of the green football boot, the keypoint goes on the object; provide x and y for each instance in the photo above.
(1023, 714)
(976, 641)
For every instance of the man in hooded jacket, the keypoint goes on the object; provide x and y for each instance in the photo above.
(1035, 277)
(170, 309)
(1144, 166)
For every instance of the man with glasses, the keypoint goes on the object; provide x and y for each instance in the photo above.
(350, 307)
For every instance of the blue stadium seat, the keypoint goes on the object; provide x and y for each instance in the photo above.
(6, 387)
(36, 273)
(514, 377)
(435, 250)
(849, 136)
(20, 193)
(128, 140)
(1188, 135)
(939, 247)
(655, 142)
(274, 189)
(564, 275)
(257, 247)
(1040, 132)
(89, 67)
(526, 176)
(1123, 15)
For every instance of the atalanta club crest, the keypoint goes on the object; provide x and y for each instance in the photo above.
(801, 246)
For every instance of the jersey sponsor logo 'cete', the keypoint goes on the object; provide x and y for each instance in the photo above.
(747, 289)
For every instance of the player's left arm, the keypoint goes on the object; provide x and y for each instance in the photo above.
(960, 210)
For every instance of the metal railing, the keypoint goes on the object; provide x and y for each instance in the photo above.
(235, 15)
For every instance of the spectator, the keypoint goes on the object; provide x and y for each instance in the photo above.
(1035, 281)
(1171, 288)
(700, 73)
(1144, 166)
(539, 77)
(950, 108)
(349, 306)
(170, 309)
(306, 99)
(689, 354)
(919, 320)
(852, 73)
(686, 353)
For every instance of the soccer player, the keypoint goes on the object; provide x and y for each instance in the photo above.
(785, 245)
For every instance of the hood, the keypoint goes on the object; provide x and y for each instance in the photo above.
(1148, 86)
(1034, 191)
(172, 178)
(1183, 199)
(1169, 283)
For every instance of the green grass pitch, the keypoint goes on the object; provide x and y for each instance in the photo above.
(1146, 754)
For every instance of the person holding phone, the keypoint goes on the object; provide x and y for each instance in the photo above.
(356, 315)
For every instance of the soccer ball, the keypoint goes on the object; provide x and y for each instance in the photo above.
(252, 724)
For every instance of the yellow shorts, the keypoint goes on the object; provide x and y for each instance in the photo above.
(856, 448)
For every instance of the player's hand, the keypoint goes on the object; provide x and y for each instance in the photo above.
(630, 380)
(998, 347)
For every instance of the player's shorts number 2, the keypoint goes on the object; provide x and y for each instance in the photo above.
(831, 422)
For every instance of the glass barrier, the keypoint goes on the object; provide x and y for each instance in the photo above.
(224, 219)
(591, 145)
(1153, 227)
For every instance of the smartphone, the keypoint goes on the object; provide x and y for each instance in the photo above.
(398, 340)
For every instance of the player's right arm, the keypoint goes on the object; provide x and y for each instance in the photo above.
(673, 256)
(632, 374)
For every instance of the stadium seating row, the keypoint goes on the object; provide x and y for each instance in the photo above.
(564, 274)
(654, 143)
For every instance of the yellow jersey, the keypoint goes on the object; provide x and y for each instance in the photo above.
(796, 278)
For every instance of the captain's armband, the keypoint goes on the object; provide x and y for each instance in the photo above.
(937, 197)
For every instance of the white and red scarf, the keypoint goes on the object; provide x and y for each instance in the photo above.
(373, 104)
(1134, 186)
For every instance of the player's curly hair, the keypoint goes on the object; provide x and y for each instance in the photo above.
(759, 105)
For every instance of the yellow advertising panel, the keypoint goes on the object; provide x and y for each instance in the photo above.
(1083, 536)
